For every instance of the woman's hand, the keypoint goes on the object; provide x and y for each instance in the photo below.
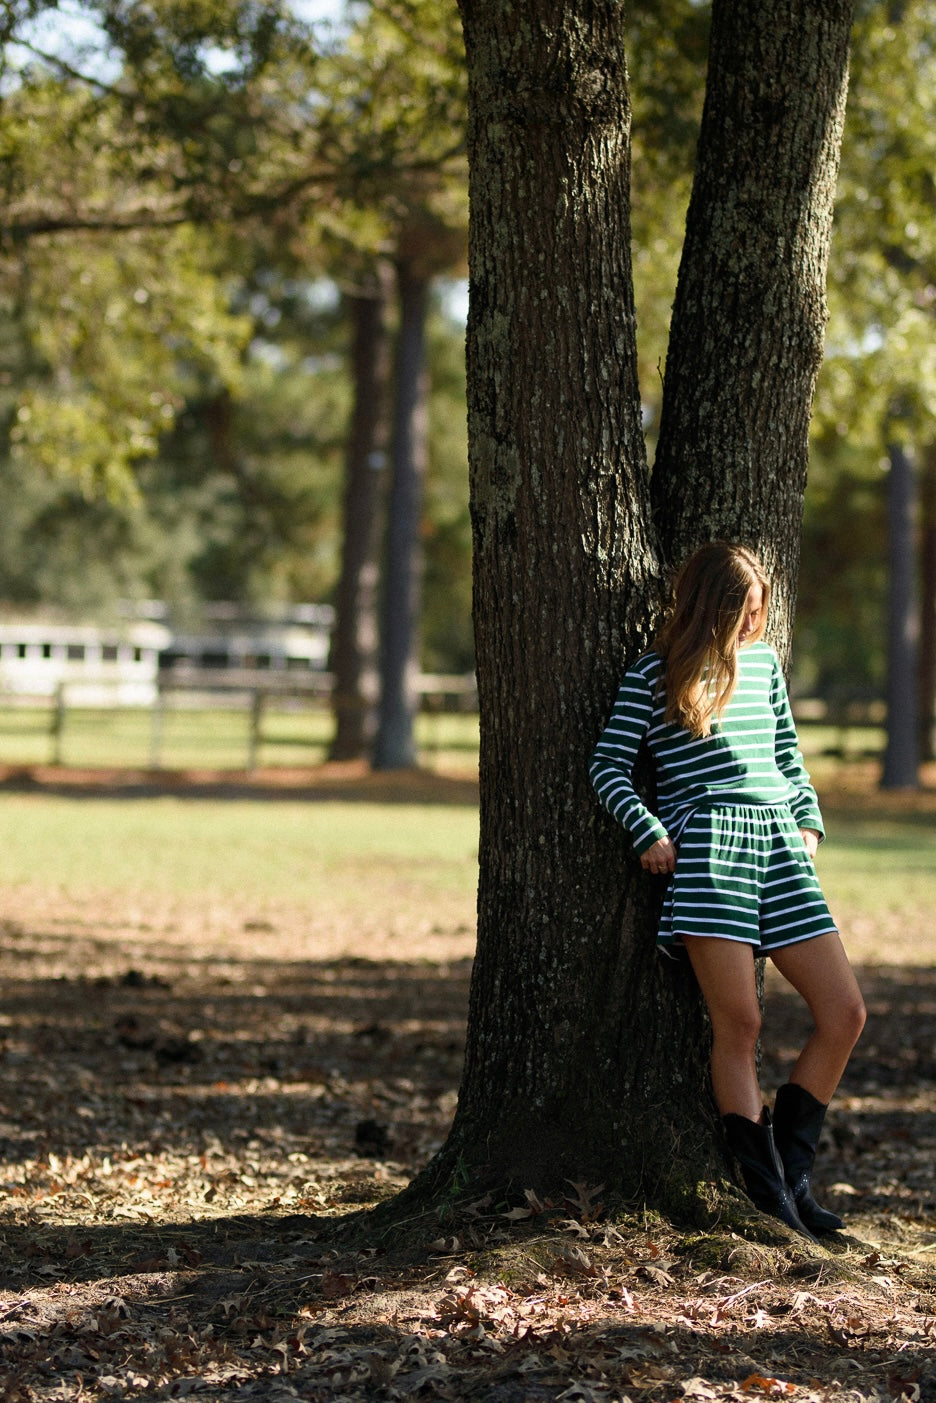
(811, 839)
(660, 858)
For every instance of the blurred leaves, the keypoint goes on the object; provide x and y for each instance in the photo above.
(159, 161)
(176, 181)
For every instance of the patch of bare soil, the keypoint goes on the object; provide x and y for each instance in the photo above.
(346, 780)
(179, 1136)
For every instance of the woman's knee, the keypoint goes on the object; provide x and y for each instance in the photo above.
(842, 1018)
(725, 971)
(819, 970)
(852, 1017)
(737, 1025)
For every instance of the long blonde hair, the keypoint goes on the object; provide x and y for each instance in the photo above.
(699, 640)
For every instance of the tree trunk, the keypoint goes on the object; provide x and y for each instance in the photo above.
(354, 641)
(901, 753)
(587, 1052)
(926, 691)
(750, 310)
(395, 747)
(577, 1059)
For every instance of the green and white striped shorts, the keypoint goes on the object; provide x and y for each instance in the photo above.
(743, 873)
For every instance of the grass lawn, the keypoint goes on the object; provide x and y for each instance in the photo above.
(191, 848)
(880, 867)
(325, 879)
(338, 862)
(186, 737)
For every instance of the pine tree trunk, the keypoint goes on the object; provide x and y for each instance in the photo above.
(750, 310)
(926, 669)
(395, 746)
(901, 753)
(354, 641)
(587, 1052)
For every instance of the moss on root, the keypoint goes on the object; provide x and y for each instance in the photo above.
(497, 1240)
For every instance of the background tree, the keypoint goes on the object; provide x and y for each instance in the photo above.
(880, 353)
(426, 248)
(902, 751)
(398, 112)
(354, 640)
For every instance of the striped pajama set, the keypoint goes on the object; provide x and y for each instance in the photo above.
(732, 803)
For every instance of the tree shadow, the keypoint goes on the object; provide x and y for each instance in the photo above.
(268, 1304)
(298, 1053)
(182, 1152)
(352, 783)
(309, 1070)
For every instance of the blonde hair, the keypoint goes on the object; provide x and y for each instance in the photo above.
(699, 640)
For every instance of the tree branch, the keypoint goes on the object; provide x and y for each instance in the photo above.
(69, 71)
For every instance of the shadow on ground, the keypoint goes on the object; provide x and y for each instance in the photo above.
(180, 1134)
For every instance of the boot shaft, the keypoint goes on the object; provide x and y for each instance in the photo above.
(752, 1144)
(798, 1120)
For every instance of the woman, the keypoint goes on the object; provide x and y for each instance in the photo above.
(737, 828)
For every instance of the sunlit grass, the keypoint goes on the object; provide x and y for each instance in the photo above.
(219, 738)
(257, 849)
(878, 867)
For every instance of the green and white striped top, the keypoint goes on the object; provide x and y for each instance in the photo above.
(751, 757)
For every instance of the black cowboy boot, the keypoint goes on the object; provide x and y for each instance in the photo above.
(798, 1118)
(752, 1144)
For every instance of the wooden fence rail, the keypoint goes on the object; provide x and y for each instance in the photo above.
(439, 695)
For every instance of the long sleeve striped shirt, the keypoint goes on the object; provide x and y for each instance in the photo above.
(751, 757)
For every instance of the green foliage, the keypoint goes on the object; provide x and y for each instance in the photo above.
(238, 495)
(878, 381)
(266, 465)
(840, 628)
(176, 410)
(175, 419)
(392, 120)
(119, 336)
(884, 264)
(667, 55)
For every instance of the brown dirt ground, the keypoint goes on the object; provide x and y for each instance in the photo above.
(183, 1121)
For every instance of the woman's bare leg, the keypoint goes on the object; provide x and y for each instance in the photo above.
(725, 971)
(819, 970)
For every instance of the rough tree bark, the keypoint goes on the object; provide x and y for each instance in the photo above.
(750, 311)
(395, 744)
(354, 642)
(586, 1052)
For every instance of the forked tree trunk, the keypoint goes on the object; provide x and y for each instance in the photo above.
(395, 745)
(354, 642)
(586, 1051)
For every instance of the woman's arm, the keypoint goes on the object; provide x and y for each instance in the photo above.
(789, 759)
(612, 763)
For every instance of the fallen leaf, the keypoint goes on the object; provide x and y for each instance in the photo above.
(773, 1388)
